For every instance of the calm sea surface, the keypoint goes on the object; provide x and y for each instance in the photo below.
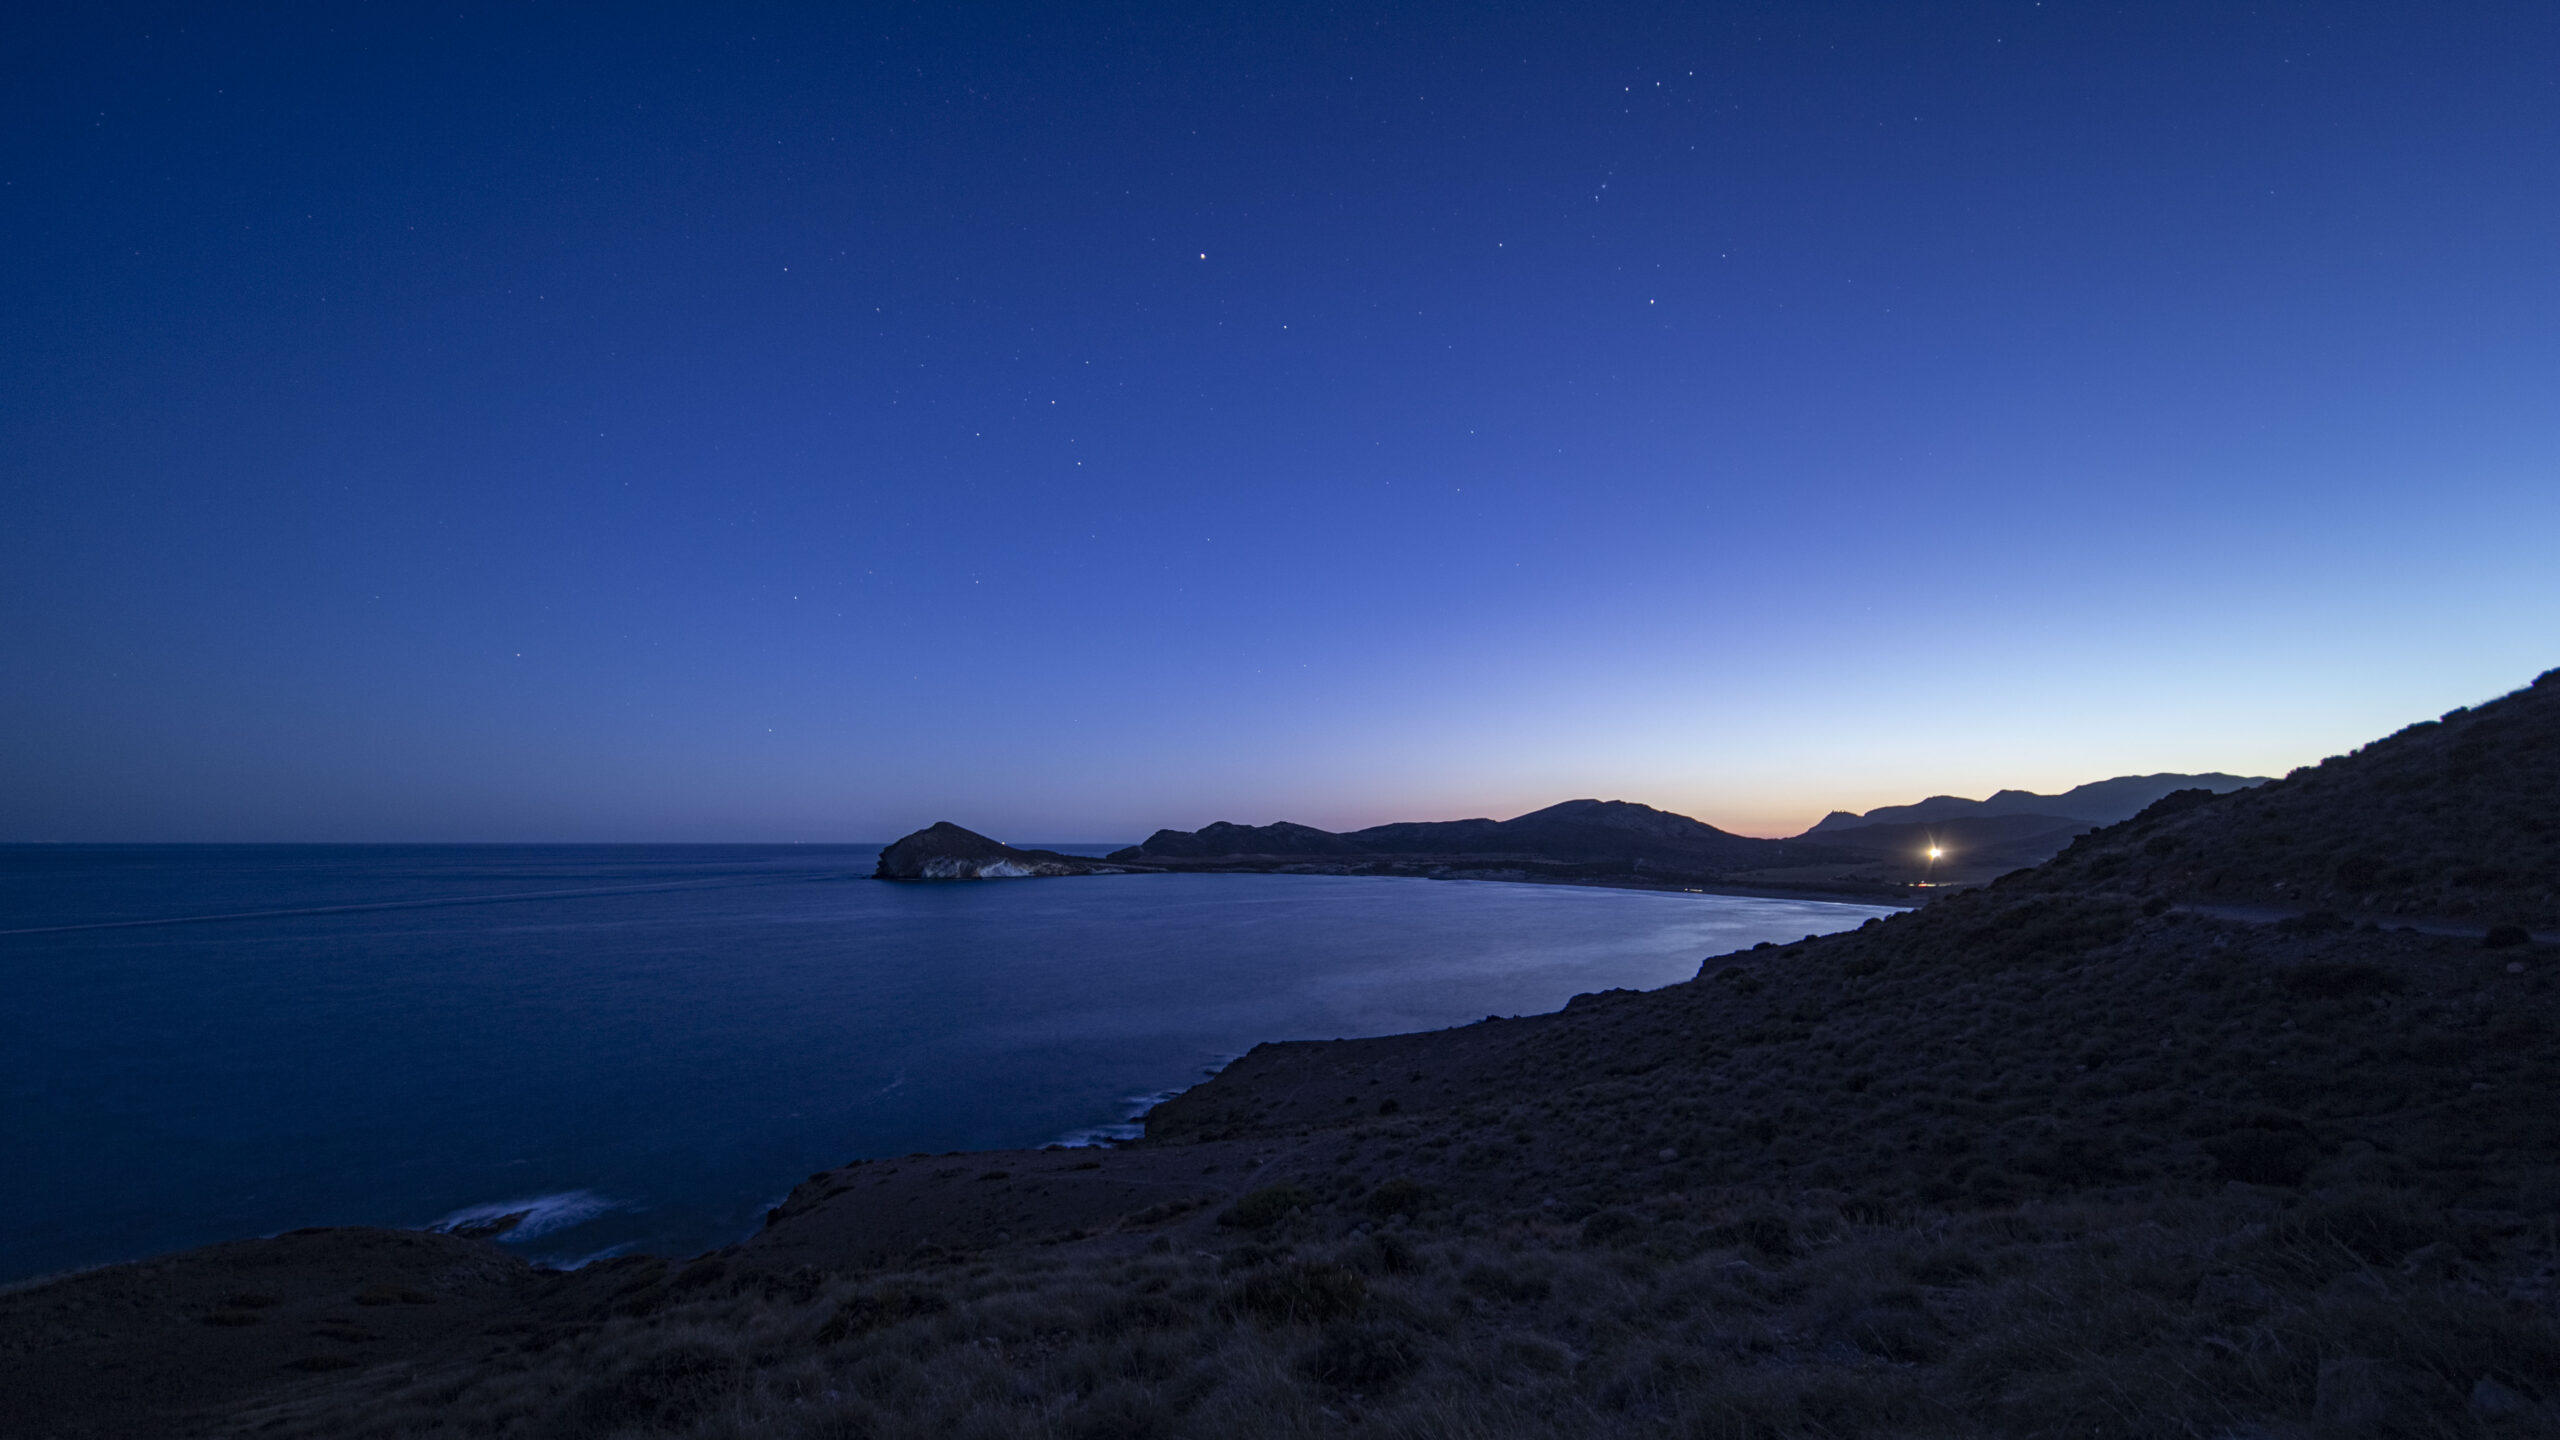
(647, 1045)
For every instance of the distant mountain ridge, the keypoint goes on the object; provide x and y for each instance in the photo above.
(1576, 830)
(2100, 802)
(1941, 841)
(1587, 842)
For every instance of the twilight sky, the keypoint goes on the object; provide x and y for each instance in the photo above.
(772, 423)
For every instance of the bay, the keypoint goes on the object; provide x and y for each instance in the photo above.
(647, 1045)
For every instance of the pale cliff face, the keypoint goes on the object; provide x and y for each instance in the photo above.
(954, 868)
(960, 868)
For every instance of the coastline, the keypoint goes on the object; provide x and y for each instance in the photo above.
(1429, 1190)
(1897, 895)
(1405, 958)
(2118, 1104)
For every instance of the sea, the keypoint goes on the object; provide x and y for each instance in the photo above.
(643, 1047)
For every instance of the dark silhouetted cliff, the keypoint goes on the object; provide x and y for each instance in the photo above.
(944, 851)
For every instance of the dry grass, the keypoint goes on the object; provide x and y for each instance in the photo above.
(2166, 1318)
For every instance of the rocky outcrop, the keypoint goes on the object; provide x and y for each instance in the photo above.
(944, 851)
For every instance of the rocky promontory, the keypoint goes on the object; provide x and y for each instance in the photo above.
(944, 851)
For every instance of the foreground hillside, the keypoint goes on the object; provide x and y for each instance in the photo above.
(2458, 817)
(2067, 1155)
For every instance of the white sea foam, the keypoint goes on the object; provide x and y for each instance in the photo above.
(1133, 1126)
(542, 1214)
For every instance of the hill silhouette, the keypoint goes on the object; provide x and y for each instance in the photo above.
(1594, 841)
(944, 851)
(2100, 802)
(2070, 1154)
(2456, 817)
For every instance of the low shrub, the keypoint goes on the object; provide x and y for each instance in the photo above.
(1264, 1208)
(2265, 1152)
(2074, 1162)
(877, 1310)
(663, 1390)
(2375, 1227)
(1309, 1292)
(2334, 980)
(2046, 928)
(1395, 1255)
(1121, 1411)
(1398, 1196)
(1363, 1357)
(1610, 1226)
(1769, 1233)
(1517, 1284)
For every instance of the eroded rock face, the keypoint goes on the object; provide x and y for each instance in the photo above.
(948, 867)
(944, 851)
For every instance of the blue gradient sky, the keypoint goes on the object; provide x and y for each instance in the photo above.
(803, 423)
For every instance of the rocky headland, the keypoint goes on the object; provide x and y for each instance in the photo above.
(2234, 1120)
(944, 851)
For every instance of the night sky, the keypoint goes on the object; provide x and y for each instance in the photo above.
(737, 423)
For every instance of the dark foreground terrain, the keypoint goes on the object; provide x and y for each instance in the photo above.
(2069, 1155)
